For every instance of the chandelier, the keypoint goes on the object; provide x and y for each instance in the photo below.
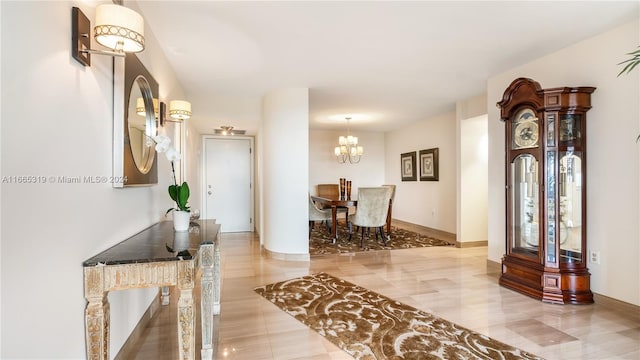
(349, 148)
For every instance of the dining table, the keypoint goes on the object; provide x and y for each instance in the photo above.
(339, 201)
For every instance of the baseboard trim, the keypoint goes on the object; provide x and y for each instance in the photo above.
(130, 347)
(470, 244)
(494, 268)
(630, 310)
(440, 234)
(285, 256)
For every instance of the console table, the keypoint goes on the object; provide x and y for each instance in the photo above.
(157, 257)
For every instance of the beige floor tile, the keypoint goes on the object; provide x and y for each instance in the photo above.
(246, 347)
(297, 344)
(539, 333)
(449, 282)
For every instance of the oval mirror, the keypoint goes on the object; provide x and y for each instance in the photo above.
(141, 124)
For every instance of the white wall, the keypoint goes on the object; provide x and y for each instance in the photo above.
(472, 169)
(285, 171)
(325, 169)
(258, 189)
(57, 121)
(427, 203)
(613, 175)
(193, 172)
(473, 179)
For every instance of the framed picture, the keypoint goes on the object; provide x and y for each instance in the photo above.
(408, 166)
(429, 165)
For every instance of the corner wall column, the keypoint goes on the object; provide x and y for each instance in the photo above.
(285, 169)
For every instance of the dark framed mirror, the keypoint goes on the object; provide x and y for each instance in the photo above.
(135, 124)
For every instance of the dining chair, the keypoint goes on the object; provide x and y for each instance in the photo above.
(393, 197)
(393, 191)
(371, 212)
(316, 214)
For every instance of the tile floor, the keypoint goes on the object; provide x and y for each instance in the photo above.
(449, 282)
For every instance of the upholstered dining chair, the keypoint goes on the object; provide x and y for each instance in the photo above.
(316, 214)
(393, 197)
(393, 191)
(332, 191)
(373, 205)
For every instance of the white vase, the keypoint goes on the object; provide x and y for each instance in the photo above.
(181, 220)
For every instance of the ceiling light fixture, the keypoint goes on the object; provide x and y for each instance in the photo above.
(227, 130)
(117, 28)
(349, 148)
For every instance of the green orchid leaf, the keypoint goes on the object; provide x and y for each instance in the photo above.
(183, 196)
(173, 192)
(180, 195)
(168, 211)
(169, 249)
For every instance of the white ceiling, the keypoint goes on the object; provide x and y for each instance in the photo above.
(386, 63)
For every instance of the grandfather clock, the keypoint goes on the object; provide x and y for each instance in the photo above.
(546, 191)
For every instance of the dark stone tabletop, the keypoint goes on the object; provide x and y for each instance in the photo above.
(159, 242)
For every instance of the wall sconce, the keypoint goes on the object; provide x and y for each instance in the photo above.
(179, 110)
(117, 28)
(140, 110)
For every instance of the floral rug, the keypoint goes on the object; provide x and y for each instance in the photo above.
(321, 241)
(368, 325)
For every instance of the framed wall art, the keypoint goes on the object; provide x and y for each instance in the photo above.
(408, 166)
(429, 165)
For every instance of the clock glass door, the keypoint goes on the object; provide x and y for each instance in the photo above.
(570, 191)
(525, 222)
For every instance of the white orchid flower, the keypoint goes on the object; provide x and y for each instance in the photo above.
(161, 139)
(162, 147)
(172, 154)
(162, 143)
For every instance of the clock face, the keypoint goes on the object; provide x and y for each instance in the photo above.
(525, 130)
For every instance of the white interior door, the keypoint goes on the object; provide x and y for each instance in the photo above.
(227, 193)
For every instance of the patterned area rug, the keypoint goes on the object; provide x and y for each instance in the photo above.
(368, 325)
(321, 241)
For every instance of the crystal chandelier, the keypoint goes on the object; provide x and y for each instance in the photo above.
(349, 148)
